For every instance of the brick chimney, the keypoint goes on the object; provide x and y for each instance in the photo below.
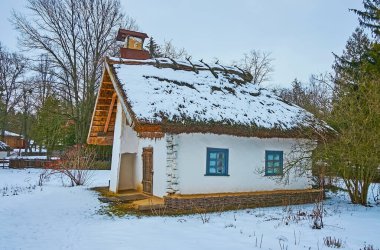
(133, 44)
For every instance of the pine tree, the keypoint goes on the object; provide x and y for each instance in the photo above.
(370, 16)
(153, 48)
(347, 66)
(52, 128)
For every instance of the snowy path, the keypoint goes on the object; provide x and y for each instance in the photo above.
(59, 217)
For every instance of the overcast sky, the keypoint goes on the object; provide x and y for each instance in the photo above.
(300, 34)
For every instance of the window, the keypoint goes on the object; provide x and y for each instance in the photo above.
(217, 162)
(273, 162)
(134, 43)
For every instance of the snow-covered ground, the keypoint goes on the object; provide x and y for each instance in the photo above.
(57, 217)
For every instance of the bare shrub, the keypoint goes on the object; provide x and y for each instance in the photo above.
(205, 217)
(16, 190)
(332, 242)
(77, 164)
(230, 225)
(369, 247)
(256, 241)
(318, 212)
(290, 216)
(375, 190)
(202, 212)
(44, 176)
(157, 210)
(282, 242)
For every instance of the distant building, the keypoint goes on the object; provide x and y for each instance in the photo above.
(4, 149)
(14, 140)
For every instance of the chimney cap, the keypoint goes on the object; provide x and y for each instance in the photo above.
(123, 33)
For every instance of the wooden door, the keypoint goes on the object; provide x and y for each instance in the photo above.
(147, 157)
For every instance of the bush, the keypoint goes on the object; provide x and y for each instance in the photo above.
(77, 163)
(332, 242)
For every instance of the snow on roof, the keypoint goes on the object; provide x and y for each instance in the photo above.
(220, 95)
(8, 133)
(4, 146)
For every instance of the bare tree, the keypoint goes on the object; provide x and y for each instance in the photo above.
(75, 35)
(43, 80)
(315, 96)
(169, 50)
(258, 63)
(26, 105)
(12, 68)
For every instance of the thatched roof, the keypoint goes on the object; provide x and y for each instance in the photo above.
(165, 95)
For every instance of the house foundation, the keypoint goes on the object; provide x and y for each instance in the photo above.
(227, 201)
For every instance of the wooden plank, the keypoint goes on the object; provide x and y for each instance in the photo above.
(102, 123)
(108, 89)
(96, 134)
(106, 93)
(104, 118)
(110, 112)
(107, 86)
(109, 98)
(100, 140)
(104, 102)
(97, 128)
(102, 113)
(102, 108)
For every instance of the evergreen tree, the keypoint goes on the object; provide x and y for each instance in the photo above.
(153, 48)
(354, 154)
(347, 66)
(370, 16)
(52, 129)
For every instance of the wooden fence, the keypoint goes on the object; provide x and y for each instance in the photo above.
(31, 163)
(4, 163)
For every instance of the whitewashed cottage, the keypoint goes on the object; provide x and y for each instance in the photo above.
(192, 132)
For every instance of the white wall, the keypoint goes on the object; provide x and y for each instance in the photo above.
(159, 164)
(115, 164)
(126, 141)
(245, 167)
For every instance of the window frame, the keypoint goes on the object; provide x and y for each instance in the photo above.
(281, 161)
(217, 150)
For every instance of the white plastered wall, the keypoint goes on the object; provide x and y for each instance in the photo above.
(127, 149)
(159, 164)
(125, 142)
(245, 167)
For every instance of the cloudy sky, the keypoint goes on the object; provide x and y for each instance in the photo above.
(300, 34)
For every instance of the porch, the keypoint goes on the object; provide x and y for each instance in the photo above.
(131, 198)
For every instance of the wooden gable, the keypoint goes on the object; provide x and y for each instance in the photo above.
(104, 115)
